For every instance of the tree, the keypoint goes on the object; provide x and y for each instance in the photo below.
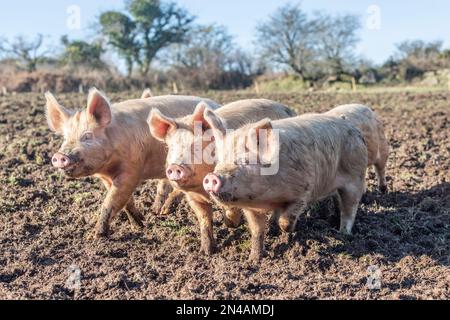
(310, 46)
(149, 26)
(203, 55)
(121, 33)
(414, 58)
(28, 53)
(287, 39)
(208, 59)
(80, 52)
(427, 56)
(205, 47)
(419, 50)
(336, 40)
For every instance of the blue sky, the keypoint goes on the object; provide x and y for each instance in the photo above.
(399, 19)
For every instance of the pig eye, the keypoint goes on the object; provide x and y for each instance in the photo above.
(87, 136)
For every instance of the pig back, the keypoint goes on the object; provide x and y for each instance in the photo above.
(315, 149)
(240, 113)
(367, 123)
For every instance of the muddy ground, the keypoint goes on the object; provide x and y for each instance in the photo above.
(45, 221)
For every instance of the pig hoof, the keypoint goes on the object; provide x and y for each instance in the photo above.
(165, 211)
(102, 234)
(383, 189)
(287, 227)
(345, 232)
(208, 250)
(156, 209)
(138, 225)
(136, 221)
(256, 257)
(230, 223)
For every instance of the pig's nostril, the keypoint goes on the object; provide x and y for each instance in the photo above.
(214, 182)
(169, 172)
(206, 181)
(179, 172)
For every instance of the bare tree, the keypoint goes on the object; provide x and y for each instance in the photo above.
(312, 47)
(413, 58)
(419, 50)
(336, 40)
(209, 59)
(27, 52)
(203, 56)
(286, 38)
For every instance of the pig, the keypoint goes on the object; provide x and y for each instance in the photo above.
(113, 143)
(187, 175)
(299, 162)
(372, 130)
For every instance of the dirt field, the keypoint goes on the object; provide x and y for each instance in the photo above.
(45, 220)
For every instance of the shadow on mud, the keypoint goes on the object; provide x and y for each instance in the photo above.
(393, 226)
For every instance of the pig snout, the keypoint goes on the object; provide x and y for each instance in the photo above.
(177, 173)
(61, 161)
(212, 183)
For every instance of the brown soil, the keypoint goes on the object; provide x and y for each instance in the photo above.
(45, 221)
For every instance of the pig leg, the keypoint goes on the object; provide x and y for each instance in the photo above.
(350, 197)
(162, 192)
(380, 165)
(118, 197)
(257, 225)
(204, 214)
(273, 222)
(134, 216)
(288, 218)
(232, 218)
(336, 203)
(174, 197)
(380, 169)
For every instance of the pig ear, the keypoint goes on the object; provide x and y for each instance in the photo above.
(199, 114)
(147, 94)
(57, 115)
(256, 134)
(264, 124)
(99, 107)
(160, 125)
(214, 122)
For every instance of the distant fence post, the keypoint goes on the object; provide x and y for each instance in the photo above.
(448, 84)
(4, 91)
(175, 87)
(353, 84)
(256, 87)
(80, 89)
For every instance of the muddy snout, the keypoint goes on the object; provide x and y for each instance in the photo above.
(66, 162)
(178, 173)
(212, 183)
(61, 161)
